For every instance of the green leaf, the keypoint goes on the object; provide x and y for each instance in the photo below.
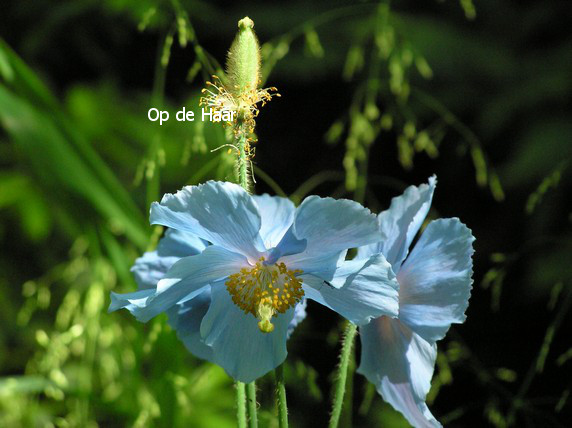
(60, 167)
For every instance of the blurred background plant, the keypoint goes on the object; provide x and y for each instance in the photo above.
(376, 96)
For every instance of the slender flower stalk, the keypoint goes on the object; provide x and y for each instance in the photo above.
(251, 403)
(345, 369)
(281, 397)
(240, 405)
(340, 390)
(243, 159)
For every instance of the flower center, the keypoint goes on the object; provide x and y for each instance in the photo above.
(265, 290)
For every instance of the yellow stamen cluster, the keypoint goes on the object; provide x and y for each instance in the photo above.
(265, 290)
(244, 103)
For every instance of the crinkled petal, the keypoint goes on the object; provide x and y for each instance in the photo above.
(131, 301)
(325, 263)
(277, 215)
(299, 316)
(152, 266)
(360, 290)
(185, 318)
(288, 245)
(417, 413)
(221, 213)
(323, 230)
(238, 345)
(180, 244)
(435, 280)
(331, 225)
(184, 280)
(400, 364)
(401, 222)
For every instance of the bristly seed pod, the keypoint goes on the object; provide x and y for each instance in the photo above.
(243, 62)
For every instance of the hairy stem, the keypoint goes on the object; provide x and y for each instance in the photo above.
(242, 163)
(243, 159)
(281, 397)
(251, 402)
(240, 405)
(342, 375)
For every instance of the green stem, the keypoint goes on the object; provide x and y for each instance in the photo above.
(347, 408)
(281, 397)
(345, 357)
(242, 161)
(240, 405)
(251, 402)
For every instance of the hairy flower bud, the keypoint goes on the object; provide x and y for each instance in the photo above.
(243, 62)
(239, 92)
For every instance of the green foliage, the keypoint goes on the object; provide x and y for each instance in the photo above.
(548, 183)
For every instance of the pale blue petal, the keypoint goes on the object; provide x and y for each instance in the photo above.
(221, 213)
(331, 225)
(360, 290)
(185, 279)
(435, 280)
(366, 251)
(152, 266)
(299, 316)
(185, 318)
(148, 303)
(277, 215)
(180, 244)
(130, 301)
(323, 230)
(288, 245)
(324, 262)
(401, 398)
(238, 345)
(401, 222)
(400, 364)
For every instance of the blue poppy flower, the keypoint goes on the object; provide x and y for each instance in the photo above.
(398, 355)
(233, 270)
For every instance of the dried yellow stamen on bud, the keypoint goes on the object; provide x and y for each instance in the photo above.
(240, 91)
(265, 291)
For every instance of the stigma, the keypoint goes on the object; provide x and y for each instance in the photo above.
(265, 291)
